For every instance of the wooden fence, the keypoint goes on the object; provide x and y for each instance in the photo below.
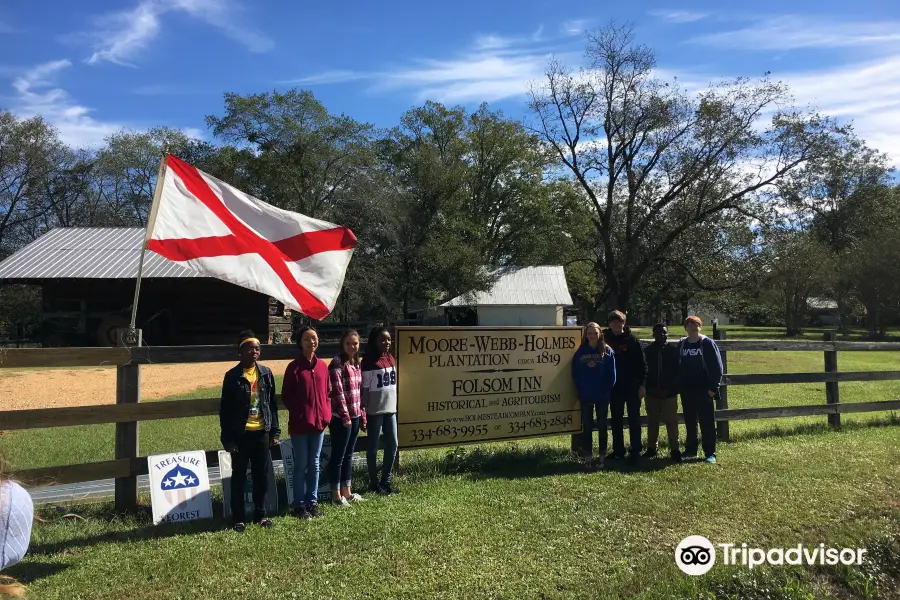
(128, 411)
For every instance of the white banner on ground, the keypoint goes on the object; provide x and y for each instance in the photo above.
(287, 458)
(179, 486)
(226, 473)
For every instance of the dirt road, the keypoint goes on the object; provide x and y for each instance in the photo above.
(50, 388)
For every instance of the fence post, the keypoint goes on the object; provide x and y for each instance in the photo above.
(722, 427)
(832, 394)
(128, 391)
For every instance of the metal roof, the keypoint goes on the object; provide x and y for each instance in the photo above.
(516, 286)
(88, 253)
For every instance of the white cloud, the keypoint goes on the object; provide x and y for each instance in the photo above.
(329, 77)
(165, 89)
(494, 68)
(492, 42)
(574, 27)
(866, 92)
(679, 16)
(791, 32)
(193, 132)
(473, 77)
(6, 28)
(121, 36)
(38, 96)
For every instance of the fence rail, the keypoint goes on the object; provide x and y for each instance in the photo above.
(128, 411)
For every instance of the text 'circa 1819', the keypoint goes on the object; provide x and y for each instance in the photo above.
(461, 385)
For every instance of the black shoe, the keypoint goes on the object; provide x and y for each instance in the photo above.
(301, 513)
(266, 523)
(314, 510)
(651, 454)
(676, 456)
(375, 489)
(389, 489)
(239, 527)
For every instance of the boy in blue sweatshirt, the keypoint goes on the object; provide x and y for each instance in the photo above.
(700, 375)
(594, 373)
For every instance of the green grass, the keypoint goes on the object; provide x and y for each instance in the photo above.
(517, 520)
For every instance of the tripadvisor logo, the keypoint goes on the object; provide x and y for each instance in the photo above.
(696, 555)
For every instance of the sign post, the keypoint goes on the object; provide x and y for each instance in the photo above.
(480, 384)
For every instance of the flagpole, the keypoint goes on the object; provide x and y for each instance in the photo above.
(151, 221)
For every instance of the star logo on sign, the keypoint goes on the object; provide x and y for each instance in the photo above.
(179, 479)
(191, 480)
(167, 483)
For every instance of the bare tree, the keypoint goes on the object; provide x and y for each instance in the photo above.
(655, 161)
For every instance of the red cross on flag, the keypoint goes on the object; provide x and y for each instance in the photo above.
(208, 226)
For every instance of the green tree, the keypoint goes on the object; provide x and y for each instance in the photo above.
(653, 159)
(303, 158)
(431, 253)
(868, 267)
(839, 195)
(127, 168)
(30, 152)
(799, 268)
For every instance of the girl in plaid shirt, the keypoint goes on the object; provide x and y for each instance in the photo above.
(347, 418)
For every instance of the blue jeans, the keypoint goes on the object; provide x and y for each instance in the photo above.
(343, 443)
(306, 450)
(378, 424)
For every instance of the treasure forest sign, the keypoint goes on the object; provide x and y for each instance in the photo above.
(478, 384)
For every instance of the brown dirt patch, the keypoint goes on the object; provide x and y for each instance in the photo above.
(54, 388)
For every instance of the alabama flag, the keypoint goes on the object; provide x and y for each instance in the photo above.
(208, 226)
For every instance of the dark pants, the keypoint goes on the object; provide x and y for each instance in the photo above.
(587, 427)
(343, 442)
(697, 405)
(253, 447)
(622, 397)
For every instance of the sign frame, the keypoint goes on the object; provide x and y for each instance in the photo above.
(199, 501)
(400, 330)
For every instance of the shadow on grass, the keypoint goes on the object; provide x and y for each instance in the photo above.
(776, 431)
(514, 462)
(138, 527)
(28, 572)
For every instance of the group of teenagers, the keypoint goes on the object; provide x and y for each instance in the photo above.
(612, 373)
(351, 393)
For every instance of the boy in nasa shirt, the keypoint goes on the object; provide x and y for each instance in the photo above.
(700, 375)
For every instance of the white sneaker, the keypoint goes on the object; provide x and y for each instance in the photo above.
(356, 498)
(340, 502)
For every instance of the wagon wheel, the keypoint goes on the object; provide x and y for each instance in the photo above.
(108, 334)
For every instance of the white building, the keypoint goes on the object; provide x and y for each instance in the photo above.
(707, 314)
(521, 296)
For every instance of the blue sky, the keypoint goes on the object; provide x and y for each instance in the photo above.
(94, 66)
